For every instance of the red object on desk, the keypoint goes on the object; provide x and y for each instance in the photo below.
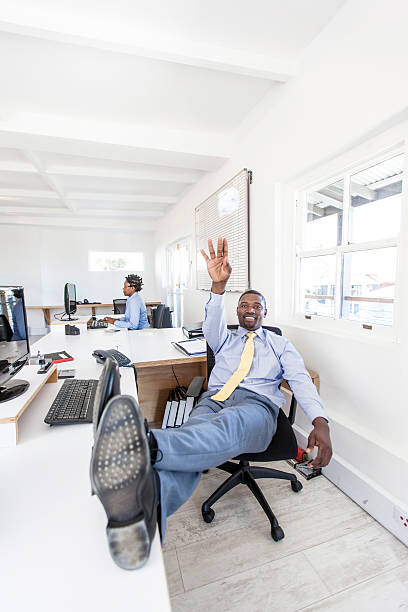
(59, 357)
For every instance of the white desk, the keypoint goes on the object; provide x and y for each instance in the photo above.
(158, 363)
(54, 553)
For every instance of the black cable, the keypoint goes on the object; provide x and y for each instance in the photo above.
(60, 316)
(178, 384)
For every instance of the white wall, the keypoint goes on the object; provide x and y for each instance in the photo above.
(43, 260)
(351, 85)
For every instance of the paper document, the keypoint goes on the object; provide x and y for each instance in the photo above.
(195, 346)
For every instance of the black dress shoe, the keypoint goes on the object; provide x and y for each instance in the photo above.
(122, 477)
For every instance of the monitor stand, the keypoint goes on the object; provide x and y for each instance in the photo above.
(13, 389)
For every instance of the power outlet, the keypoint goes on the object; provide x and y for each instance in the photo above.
(401, 518)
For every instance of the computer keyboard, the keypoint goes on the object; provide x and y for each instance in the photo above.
(73, 404)
(97, 324)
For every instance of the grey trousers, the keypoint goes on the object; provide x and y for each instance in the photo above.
(214, 433)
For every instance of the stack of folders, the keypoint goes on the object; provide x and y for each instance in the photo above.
(193, 331)
(178, 408)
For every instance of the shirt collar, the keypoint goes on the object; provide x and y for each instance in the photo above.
(241, 331)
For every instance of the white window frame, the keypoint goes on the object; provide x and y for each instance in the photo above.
(337, 325)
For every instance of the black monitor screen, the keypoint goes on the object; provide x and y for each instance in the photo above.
(14, 343)
(70, 304)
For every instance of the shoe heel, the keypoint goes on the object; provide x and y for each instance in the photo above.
(129, 545)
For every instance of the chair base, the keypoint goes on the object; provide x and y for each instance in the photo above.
(243, 473)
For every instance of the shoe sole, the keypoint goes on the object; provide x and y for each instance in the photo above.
(120, 460)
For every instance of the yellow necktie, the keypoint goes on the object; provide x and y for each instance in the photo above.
(239, 374)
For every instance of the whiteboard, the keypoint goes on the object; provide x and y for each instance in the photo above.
(226, 213)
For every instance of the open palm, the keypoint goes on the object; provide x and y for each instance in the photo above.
(218, 265)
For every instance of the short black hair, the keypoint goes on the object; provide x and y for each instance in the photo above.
(256, 293)
(135, 281)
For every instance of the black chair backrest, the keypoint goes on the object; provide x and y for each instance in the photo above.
(119, 306)
(210, 354)
(161, 316)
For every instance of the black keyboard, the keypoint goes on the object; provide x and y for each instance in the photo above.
(99, 324)
(73, 404)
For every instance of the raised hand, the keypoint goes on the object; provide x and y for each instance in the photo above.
(218, 265)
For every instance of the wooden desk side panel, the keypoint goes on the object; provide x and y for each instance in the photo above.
(156, 382)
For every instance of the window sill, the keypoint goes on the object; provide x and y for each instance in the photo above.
(379, 334)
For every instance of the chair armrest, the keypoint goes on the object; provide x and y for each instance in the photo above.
(196, 386)
(292, 410)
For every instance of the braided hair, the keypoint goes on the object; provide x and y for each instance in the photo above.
(135, 281)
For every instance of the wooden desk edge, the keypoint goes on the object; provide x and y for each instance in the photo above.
(52, 376)
(173, 362)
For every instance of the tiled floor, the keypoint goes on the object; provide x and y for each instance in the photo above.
(334, 556)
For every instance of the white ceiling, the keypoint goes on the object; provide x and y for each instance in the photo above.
(111, 111)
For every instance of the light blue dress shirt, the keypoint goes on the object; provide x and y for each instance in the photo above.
(135, 314)
(275, 359)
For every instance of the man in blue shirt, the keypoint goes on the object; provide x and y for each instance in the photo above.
(135, 313)
(236, 415)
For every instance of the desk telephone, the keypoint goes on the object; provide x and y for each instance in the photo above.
(101, 356)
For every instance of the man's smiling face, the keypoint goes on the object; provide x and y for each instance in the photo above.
(251, 311)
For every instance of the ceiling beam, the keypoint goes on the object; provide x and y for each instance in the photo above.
(63, 212)
(80, 223)
(168, 175)
(145, 174)
(35, 160)
(156, 146)
(122, 197)
(31, 194)
(9, 166)
(257, 66)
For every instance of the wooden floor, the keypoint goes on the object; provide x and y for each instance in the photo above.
(334, 556)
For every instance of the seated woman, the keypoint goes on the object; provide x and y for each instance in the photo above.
(135, 313)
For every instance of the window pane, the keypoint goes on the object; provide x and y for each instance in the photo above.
(375, 194)
(317, 285)
(324, 217)
(104, 261)
(369, 286)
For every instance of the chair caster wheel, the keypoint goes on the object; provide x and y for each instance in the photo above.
(208, 515)
(277, 533)
(296, 486)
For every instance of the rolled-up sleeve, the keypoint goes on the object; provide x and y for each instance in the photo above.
(297, 376)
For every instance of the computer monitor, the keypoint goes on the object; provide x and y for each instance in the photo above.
(14, 342)
(108, 386)
(70, 303)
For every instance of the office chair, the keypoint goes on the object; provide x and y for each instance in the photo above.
(282, 446)
(161, 317)
(119, 306)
